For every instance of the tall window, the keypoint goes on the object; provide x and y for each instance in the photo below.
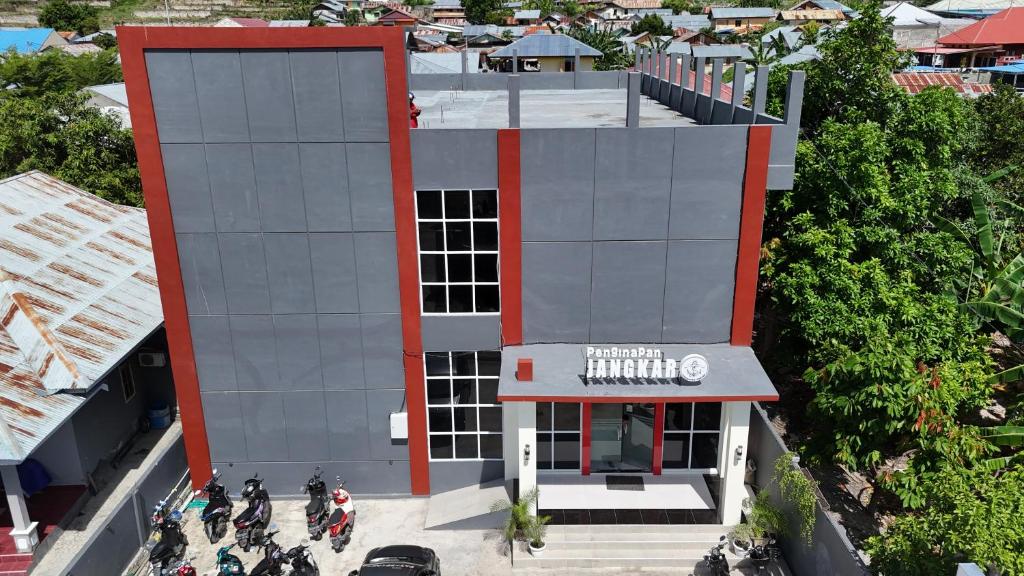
(458, 234)
(558, 436)
(463, 413)
(691, 435)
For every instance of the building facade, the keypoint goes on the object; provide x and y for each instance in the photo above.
(425, 310)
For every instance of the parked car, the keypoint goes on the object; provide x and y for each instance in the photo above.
(401, 560)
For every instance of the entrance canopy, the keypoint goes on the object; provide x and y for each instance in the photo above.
(633, 373)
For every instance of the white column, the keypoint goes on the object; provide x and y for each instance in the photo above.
(24, 534)
(735, 428)
(520, 419)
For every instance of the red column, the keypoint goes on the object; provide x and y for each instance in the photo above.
(510, 237)
(659, 437)
(585, 446)
(755, 183)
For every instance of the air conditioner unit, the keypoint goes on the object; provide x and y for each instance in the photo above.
(152, 359)
(399, 426)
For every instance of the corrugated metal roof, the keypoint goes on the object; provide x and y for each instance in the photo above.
(23, 40)
(526, 15)
(718, 13)
(115, 92)
(544, 45)
(914, 82)
(78, 293)
(721, 51)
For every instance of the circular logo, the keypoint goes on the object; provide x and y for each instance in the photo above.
(694, 368)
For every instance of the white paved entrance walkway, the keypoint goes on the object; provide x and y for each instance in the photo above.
(665, 492)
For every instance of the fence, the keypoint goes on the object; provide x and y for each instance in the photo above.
(830, 552)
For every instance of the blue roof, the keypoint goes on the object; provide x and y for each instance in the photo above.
(23, 40)
(1017, 68)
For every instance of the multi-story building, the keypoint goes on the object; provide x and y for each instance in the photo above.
(560, 296)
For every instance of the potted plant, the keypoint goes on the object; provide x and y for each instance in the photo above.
(520, 515)
(763, 521)
(535, 532)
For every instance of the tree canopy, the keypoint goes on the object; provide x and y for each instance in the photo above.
(65, 16)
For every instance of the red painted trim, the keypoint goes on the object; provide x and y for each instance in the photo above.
(659, 438)
(185, 38)
(636, 399)
(165, 254)
(585, 444)
(755, 184)
(510, 237)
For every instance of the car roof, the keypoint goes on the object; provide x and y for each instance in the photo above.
(401, 551)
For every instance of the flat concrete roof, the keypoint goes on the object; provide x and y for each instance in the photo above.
(540, 109)
(734, 374)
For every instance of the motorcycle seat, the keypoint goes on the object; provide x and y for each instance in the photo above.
(314, 506)
(263, 567)
(248, 513)
(161, 551)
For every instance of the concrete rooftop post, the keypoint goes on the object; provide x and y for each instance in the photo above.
(633, 100)
(738, 80)
(636, 58)
(684, 72)
(794, 98)
(576, 69)
(698, 78)
(515, 60)
(25, 534)
(760, 91)
(672, 69)
(513, 101)
(716, 78)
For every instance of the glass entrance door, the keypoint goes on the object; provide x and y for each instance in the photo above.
(621, 437)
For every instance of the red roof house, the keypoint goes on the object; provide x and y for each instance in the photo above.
(995, 40)
(914, 82)
(396, 18)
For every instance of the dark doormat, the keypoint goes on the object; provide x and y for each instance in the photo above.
(632, 483)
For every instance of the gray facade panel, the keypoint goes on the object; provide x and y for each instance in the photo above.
(377, 271)
(285, 479)
(348, 431)
(215, 360)
(325, 187)
(369, 180)
(278, 178)
(454, 159)
(201, 276)
(341, 351)
(305, 419)
(379, 406)
(245, 273)
(223, 414)
(707, 183)
(462, 332)
(445, 476)
(334, 272)
(255, 352)
(233, 187)
(289, 273)
(188, 188)
(268, 95)
(632, 183)
(557, 184)
(363, 95)
(317, 90)
(556, 291)
(218, 78)
(628, 291)
(699, 291)
(298, 352)
(263, 422)
(382, 350)
(174, 96)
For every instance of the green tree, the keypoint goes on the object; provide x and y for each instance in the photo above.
(613, 57)
(545, 6)
(353, 17)
(1001, 144)
(31, 75)
(651, 23)
(570, 8)
(680, 6)
(105, 40)
(64, 16)
(485, 11)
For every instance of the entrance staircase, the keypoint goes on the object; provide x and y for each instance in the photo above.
(14, 564)
(626, 547)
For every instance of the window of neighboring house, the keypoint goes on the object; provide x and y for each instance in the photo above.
(569, 63)
(558, 436)
(127, 382)
(739, 23)
(463, 413)
(692, 430)
(458, 241)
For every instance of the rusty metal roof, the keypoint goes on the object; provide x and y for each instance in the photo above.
(78, 292)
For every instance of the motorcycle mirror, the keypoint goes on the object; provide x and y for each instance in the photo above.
(214, 471)
(197, 492)
(722, 539)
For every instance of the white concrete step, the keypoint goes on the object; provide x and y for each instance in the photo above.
(618, 530)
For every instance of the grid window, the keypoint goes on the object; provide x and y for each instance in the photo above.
(692, 431)
(458, 239)
(463, 413)
(558, 436)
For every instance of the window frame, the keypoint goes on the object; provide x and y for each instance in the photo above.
(551, 431)
(472, 252)
(690, 433)
(127, 382)
(451, 405)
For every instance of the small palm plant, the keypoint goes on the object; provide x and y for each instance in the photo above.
(520, 515)
(535, 532)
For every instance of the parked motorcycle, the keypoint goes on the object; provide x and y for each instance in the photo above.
(318, 508)
(343, 519)
(251, 523)
(273, 557)
(216, 513)
(185, 568)
(763, 553)
(302, 562)
(715, 560)
(170, 543)
(227, 563)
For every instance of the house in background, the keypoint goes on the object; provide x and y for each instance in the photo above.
(914, 82)
(913, 27)
(976, 9)
(29, 40)
(241, 23)
(449, 12)
(740, 20)
(525, 18)
(112, 99)
(994, 41)
(396, 17)
(82, 349)
(546, 53)
(820, 11)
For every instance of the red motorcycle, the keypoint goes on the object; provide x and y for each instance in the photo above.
(185, 568)
(343, 519)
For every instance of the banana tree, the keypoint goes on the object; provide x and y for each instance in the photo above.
(1006, 437)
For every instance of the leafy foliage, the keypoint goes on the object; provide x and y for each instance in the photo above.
(1001, 144)
(30, 75)
(520, 515)
(105, 40)
(651, 23)
(799, 491)
(65, 16)
(485, 11)
(680, 6)
(613, 56)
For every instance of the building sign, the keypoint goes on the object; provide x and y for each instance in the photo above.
(642, 363)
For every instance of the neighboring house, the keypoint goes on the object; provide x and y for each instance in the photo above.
(1012, 74)
(289, 23)
(848, 12)
(789, 36)
(546, 53)
(112, 99)
(914, 82)
(525, 18)
(970, 8)
(449, 12)
(687, 21)
(77, 48)
(443, 63)
(332, 11)
(728, 52)
(820, 11)
(29, 40)
(396, 17)
(82, 350)
(913, 27)
(694, 37)
(740, 20)
(241, 23)
(996, 40)
(488, 35)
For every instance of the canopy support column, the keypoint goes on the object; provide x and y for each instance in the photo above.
(25, 534)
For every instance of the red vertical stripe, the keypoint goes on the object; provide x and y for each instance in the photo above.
(165, 254)
(755, 183)
(657, 455)
(585, 447)
(511, 237)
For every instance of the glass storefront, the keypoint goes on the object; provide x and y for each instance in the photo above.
(691, 435)
(558, 436)
(622, 437)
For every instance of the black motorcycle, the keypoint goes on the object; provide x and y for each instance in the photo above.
(763, 553)
(216, 513)
(302, 561)
(715, 560)
(273, 557)
(252, 522)
(169, 550)
(318, 508)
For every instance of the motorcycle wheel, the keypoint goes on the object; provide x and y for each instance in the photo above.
(317, 537)
(211, 532)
